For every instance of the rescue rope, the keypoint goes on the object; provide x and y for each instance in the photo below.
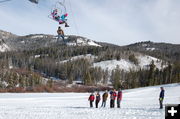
(74, 20)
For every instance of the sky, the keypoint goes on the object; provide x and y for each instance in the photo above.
(120, 22)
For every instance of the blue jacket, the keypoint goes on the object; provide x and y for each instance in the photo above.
(161, 94)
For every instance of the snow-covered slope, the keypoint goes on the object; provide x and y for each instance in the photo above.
(126, 65)
(3, 46)
(141, 103)
(87, 56)
(145, 60)
(112, 64)
(6, 35)
(82, 42)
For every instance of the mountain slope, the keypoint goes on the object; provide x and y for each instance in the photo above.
(35, 41)
(166, 51)
(3, 46)
(143, 62)
(85, 60)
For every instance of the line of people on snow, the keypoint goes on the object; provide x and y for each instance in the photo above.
(116, 96)
(113, 97)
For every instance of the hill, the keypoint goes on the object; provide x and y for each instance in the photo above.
(40, 60)
(165, 51)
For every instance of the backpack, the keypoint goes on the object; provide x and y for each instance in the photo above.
(91, 98)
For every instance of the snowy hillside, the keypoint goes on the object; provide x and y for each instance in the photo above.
(3, 46)
(81, 41)
(126, 65)
(6, 35)
(112, 64)
(87, 56)
(140, 103)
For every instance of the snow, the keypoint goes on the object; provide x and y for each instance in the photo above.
(92, 43)
(112, 64)
(4, 83)
(144, 45)
(87, 56)
(126, 65)
(10, 66)
(23, 42)
(37, 56)
(86, 42)
(152, 49)
(4, 47)
(37, 36)
(71, 44)
(145, 60)
(140, 103)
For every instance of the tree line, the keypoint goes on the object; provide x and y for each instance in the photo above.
(27, 68)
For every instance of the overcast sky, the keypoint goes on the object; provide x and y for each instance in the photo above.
(119, 22)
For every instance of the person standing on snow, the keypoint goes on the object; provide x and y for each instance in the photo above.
(161, 97)
(119, 98)
(112, 98)
(104, 97)
(91, 99)
(98, 98)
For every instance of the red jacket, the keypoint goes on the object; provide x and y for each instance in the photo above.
(91, 97)
(119, 97)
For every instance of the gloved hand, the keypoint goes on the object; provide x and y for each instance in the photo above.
(160, 99)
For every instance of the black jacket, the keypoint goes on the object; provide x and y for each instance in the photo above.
(161, 94)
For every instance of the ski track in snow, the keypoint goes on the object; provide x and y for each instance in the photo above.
(140, 103)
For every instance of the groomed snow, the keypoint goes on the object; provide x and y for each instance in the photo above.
(141, 103)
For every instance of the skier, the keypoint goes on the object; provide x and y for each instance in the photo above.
(61, 19)
(104, 96)
(98, 98)
(60, 33)
(113, 98)
(119, 98)
(161, 97)
(91, 99)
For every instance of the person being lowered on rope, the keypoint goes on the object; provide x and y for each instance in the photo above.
(62, 19)
(60, 33)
